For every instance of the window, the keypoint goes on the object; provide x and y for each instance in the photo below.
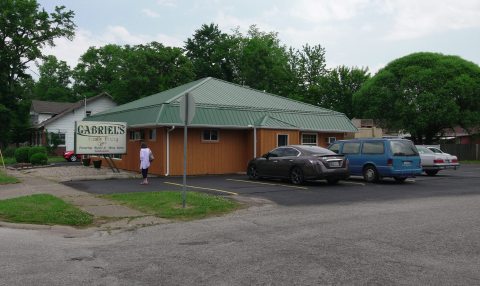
(137, 135)
(373, 148)
(330, 140)
(210, 135)
(282, 140)
(152, 134)
(279, 152)
(57, 139)
(351, 148)
(335, 148)
(290, 152)
(309, 139)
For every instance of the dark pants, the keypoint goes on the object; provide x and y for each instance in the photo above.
(144, 173)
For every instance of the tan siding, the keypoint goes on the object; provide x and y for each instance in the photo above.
(268, 138)
(229, 155)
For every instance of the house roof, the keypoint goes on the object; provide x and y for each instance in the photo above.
(50, 107)
(223, 104)
(69, 107)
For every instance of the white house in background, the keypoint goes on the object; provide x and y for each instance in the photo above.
(59, 117)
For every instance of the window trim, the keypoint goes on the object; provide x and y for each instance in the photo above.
(153, 132)
(210, 140)
(282, 134)
(310, 144)
(135, 132)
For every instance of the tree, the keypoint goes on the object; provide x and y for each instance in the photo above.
(308, 67)
(55, 82)
(128, 72)
(263, 62)
(212, 53)
(338, 87)
(24, 31)
(423, 93)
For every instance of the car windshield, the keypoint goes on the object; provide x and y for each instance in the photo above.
(403, 148)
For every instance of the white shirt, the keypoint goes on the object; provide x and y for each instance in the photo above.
(145, 158)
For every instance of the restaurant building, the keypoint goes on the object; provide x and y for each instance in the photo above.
(232, 124)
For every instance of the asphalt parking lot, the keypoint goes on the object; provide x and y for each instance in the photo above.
(463, 181)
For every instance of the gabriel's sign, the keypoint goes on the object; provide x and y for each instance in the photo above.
(97, 137)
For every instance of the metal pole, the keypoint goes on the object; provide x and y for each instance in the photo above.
(85, 101)
(184, 192)
(254, 142)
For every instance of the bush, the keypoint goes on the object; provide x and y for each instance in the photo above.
(39, 159)
(21, 155)
(9, 152)
(36, 150)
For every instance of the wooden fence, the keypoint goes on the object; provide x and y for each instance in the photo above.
(463, 151)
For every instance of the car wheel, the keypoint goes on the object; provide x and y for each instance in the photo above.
(332, 181)
(370, 174)
(253, 172)
(431, 172)
(73, 158)
(400, 179)
(296, 176)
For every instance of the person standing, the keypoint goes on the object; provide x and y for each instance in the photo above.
(146, 156)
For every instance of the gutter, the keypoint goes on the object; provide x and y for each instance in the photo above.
(168, 151)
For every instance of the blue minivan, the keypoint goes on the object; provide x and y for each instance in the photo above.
(375, 158)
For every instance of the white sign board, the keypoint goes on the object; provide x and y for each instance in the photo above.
(97, 137)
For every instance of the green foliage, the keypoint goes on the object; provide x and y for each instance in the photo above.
(338, 87)
(42, 209)
(54, 83)
(22, 154)
(25, 30)
(423, 93)
(130, 72)
(36, 150)
(9, 152)
(39, 159)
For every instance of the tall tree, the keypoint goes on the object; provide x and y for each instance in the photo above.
(264, 63)
(24, 30)
(339, 86)
(212, 53)
(55, 81)
(131, 72)
(422, 94)
(309, 68)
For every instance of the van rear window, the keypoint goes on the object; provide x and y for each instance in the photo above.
(403, 148)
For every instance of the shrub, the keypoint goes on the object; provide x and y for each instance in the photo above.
(21, 155)
(35, 150)
(9, 152)
(39, 159)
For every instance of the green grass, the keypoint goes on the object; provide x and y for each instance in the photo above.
(5, 179)
(42, 209)
(470, 162)
(169, 204)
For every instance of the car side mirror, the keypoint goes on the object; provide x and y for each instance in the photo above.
(266, 156)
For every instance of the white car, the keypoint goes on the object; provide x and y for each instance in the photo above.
(433, 162)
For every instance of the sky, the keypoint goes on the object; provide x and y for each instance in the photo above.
(360, 33)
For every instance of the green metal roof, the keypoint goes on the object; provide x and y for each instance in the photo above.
(223, 104)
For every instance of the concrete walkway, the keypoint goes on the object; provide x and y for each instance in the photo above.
(108, 214)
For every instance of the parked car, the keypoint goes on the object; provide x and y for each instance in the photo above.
(433, 162)
(71, 156)
(376, 158)
(299, 163)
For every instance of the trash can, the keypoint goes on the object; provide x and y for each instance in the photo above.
(86, 162)
(97, 164)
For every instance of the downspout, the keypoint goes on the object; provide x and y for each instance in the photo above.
(168, 151)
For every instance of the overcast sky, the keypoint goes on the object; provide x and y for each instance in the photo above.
(362, 33)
